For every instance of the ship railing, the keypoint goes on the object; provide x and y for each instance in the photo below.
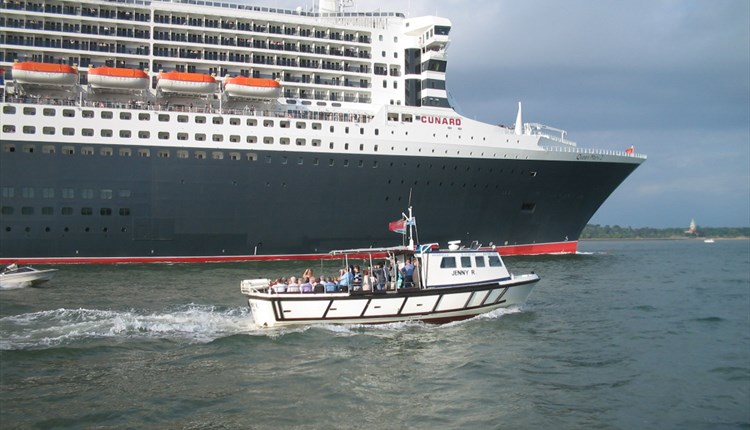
(593, 152)
(542, 130)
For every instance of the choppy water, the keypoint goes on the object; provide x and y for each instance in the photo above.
(647, 334)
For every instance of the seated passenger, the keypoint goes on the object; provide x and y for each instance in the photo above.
(293, 286)
(366, 281)
(331, 287)
(318, 286)
(279, 286)
(345, 281)
(357, 281)
(306, 286)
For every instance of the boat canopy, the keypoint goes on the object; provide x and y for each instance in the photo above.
(392, 249)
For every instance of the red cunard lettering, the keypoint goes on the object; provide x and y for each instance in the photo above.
(441, 120)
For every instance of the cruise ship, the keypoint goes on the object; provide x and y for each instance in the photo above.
(198, 131)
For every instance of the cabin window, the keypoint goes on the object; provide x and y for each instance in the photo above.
(251, 156)
(87, 114)
(106, 151)
(252, 122)
(48, 112)
(48, 130)
(125, 152)
(145, 153)
(234, 138)
(495, 261)
(163, 154)
(234, 156)
(87, 150)
(106, 132)
(144, 117)
(200, 119)
(29, 111)
(448, 263)
(105, 114)
(125, 134)
(9, 110)
(67, 131)
(182, 136)
(9, 128)
(217, 120)
(252, 139)
(29, 129)
(69, 113)
(200, 155)
(200, 137)
(125, 115)
(143, 134)
(217, 155)
(182, 118)
(465, 262)
(163, 117)
(48, 149)
(217, 137)
(234, 121)
(267, 123)
(164, 135)
(479, 261)
(181, 153)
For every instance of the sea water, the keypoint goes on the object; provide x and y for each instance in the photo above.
(622, 335)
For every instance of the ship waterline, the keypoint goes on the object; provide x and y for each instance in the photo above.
(336, 139)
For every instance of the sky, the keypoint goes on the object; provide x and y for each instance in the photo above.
(669, 77)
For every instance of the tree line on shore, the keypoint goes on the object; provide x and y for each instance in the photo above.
(596, 231)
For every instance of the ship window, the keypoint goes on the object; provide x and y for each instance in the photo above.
(144, 134)
(316, 142)
(183, 154)
(105, 194)
(316, 126)
(27, 210)
(200, 155)
(283, 159)
(69, 113)
(494, 261)
(48, 210)
(9, 128)
(68, 193)
(252, 139)
(87, 193)
(330, 145)
(268, 140)
(48, 149)
(87, 132)
(268, 159)
(163, 154)
(346, 146)
(48, 112)
(234, 121)
(125, 115)
(217, 120)
(125, 152)
(106, 151)
(448, 263)
(361, 163)
(465, 262)
(144, 117)
(331, 162)
(479, 261)
(124, 211)
(105, 114)
(346, 130)
(284, 141)
(234, 156)
(300, 142)
(163, 135)
(217, 155)
(331, 129)
(68, 150)
(284, 124)
(144, 153)
(182, 118)
(234, 138)
(87, 114)
(87, 150)
(163, 117)
(105, 212)
(106, 133)
(29, 129)
(27, 193)
(7, 210)
(361, 146)
(182, 136)
(200, 119)
(218, 137)
(267, 123)
(200, 137)
(125, 134)
(375, 164)
(252, 122)
(251, 156)
(48, 130)
(301, 125)
(300, 161)
(346, 163)
(8, 192)
(67, 210)
(87, 211)
(9, 110)
(29, 111)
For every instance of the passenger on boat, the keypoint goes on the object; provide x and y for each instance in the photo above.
(346, 279)
(408, 271)
(417, 275)
(366, 281)
(381, 277)
(318, 286)
(279, 286)
(306, 286)
(330, 286)
(357, 281)
(293, 286)
(308, 273)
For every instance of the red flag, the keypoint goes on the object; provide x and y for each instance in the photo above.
(398, 226)
(630, 150)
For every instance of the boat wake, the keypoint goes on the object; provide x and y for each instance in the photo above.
(191, 323)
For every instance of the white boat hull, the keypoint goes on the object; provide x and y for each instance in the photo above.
(46, 78)
(190, 87)
(236, 90)
(118, 82)
(26, 279)
(434, 305)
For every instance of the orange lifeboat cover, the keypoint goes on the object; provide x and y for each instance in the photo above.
(252, 82)
(32, 66)
(119, 72)
(186, 77)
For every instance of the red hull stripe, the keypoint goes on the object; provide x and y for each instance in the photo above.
(534, 249)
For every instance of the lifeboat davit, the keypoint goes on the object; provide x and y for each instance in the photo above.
(183, 82)
(118, 78)
(241, 86)
(30, 72)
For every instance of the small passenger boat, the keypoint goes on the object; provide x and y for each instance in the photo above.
(446, 285)
(241, 86)
(30, 72)
(118, 78)
(184, 82)
(18, 277)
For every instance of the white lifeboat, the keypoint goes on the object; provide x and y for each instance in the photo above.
(30, 72)
(241, 86)
(118, 78)
(184, 82)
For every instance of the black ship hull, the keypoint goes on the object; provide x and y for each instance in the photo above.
(80, 207)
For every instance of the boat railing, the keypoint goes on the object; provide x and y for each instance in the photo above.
(254, 286)
(584, 152)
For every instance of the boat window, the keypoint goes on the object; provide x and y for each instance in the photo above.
(252, 139)
(144, 117)
(125, 115)
(252, 122)
(200, 137)
(106, 132)
(143, 134)
(125, 133)
(68, 113)
(68, 150)
(9, 110)
(200, 155)
(145, 153)
(29, 129)
(268, 140)
(125, 152)
(284, 141)
(48, 112)
(234, 138)
(29, 111)
(67, 210)
(217, 155)
(465, 262)
(9, 128)
(234, 156)
(251, 156)
(218, 137)
(479, 260)
(48, 149)
(284, 124)
(182, 153)
(124, 211)
(105, 114)
(7, 210)
(300, 125)
(448, 263)
(234, 121)
(163, 117)
(495, 261)
(163, 135)
(106, 151)
(48, 210)
(48, 130)
(27, 210)
(316, 126)
(267, 123)
(200, 119)
(163, 154)
(182, 136)
(105, 211)
(87, 150)
(218, 120)
(86, 211)
(182, 118)
(300, 142)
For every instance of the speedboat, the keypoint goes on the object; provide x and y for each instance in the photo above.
(18, 277)
(444, 285)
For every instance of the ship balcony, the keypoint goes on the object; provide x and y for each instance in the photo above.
(435, 55)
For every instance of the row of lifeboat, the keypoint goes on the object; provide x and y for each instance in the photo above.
(120, 78)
